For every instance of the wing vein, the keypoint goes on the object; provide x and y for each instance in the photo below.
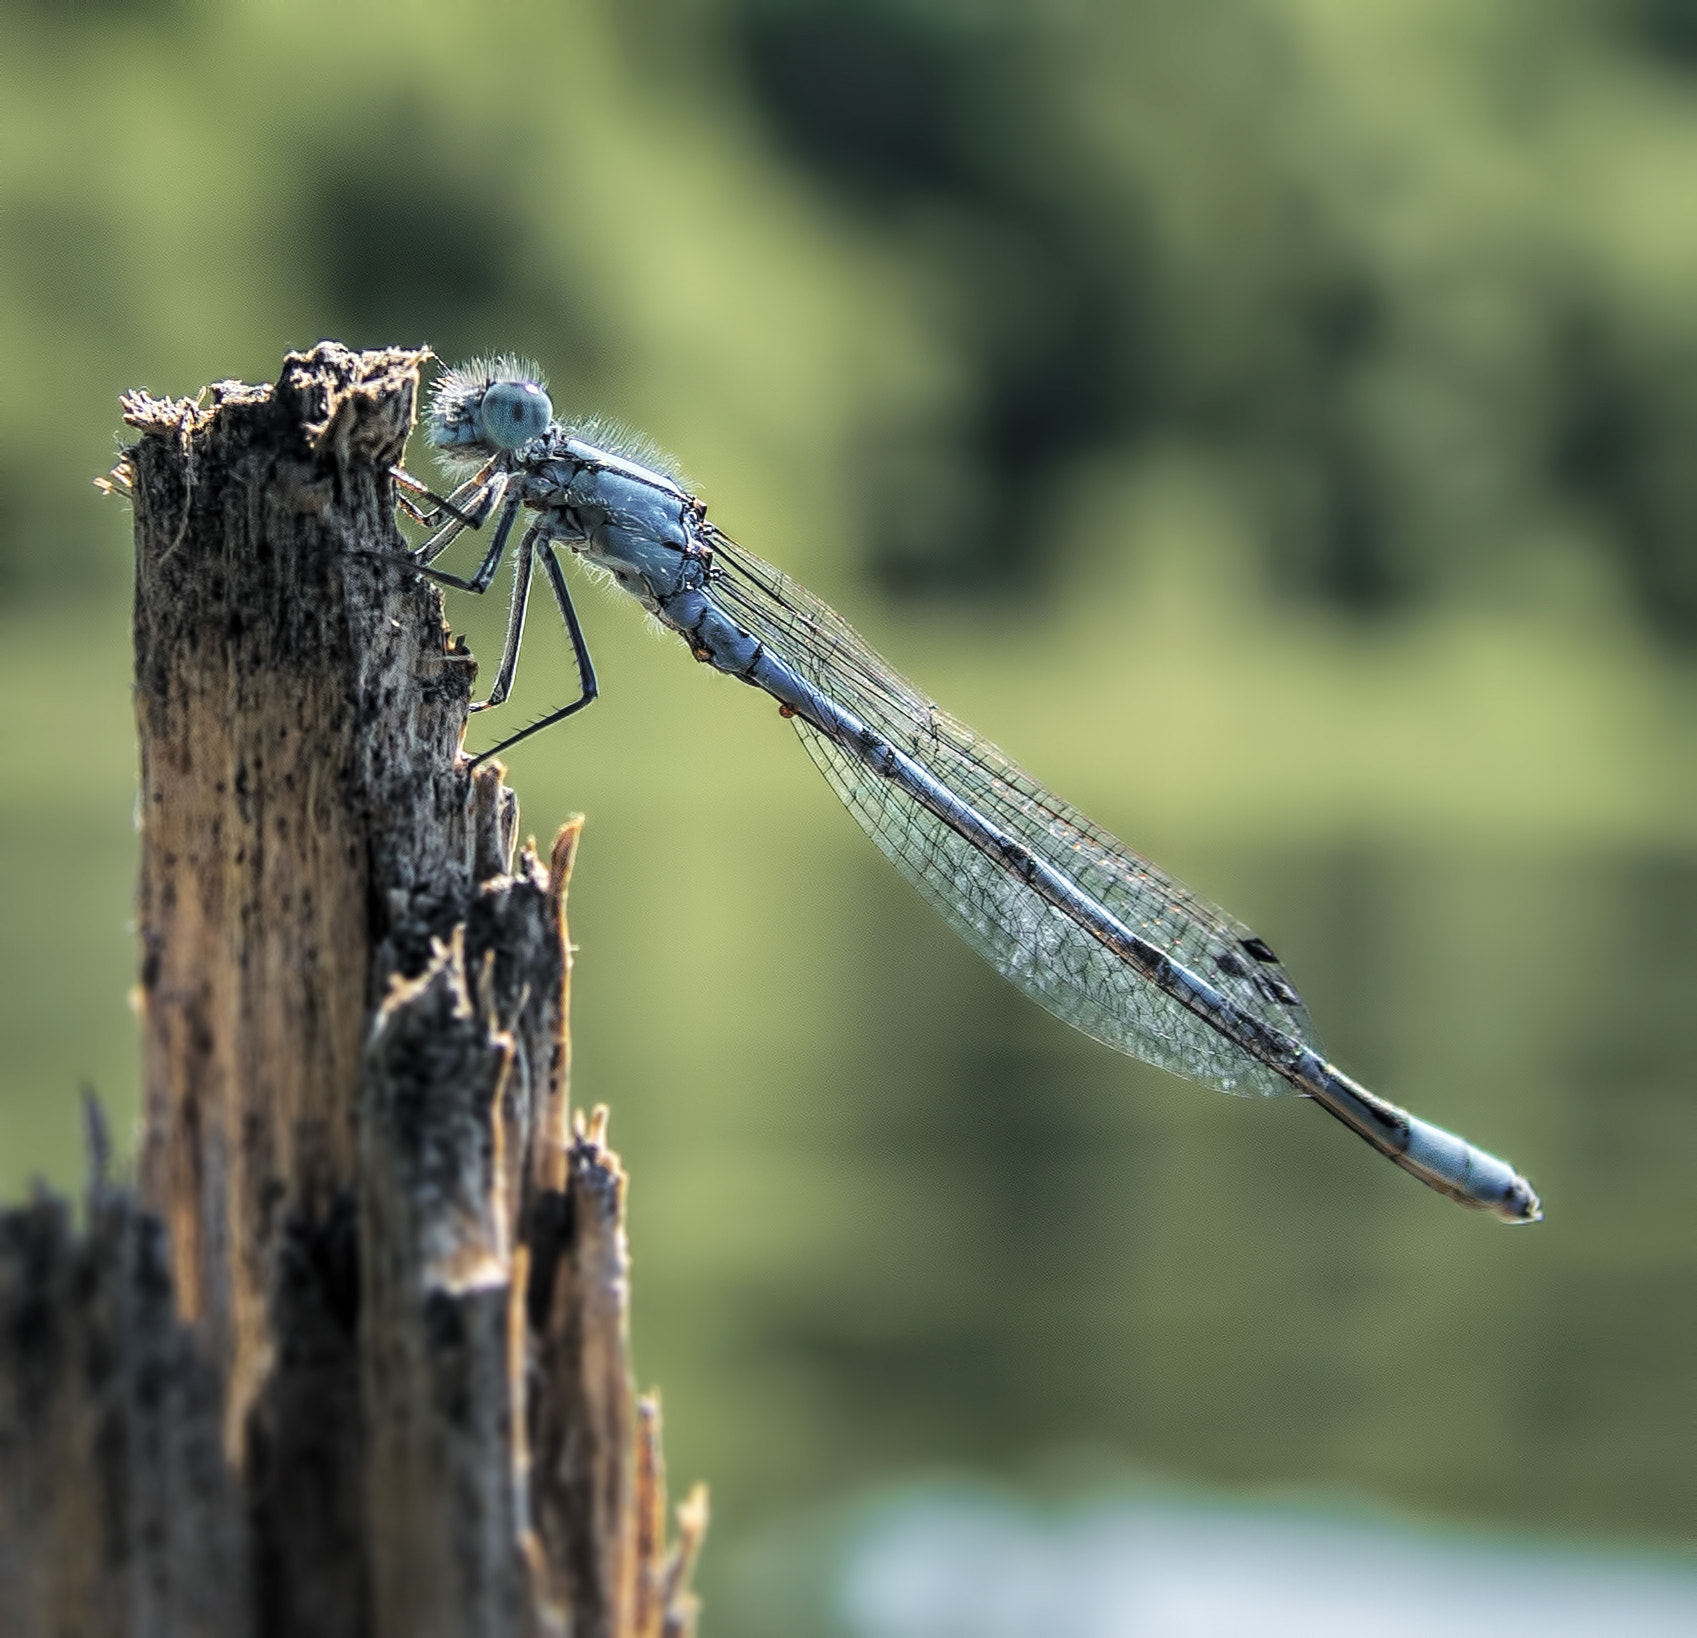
(1035, 946)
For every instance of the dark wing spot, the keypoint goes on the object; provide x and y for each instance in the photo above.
(1278, 990)
(1230, 965)
(1259, 948)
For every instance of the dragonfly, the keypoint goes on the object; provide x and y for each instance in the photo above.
(1086, 927)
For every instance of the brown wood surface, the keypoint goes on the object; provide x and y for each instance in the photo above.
(353, 1358)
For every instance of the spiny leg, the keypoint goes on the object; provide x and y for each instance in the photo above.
(445, 506)
(458, 506)
(412, 511)
(588, 688)
(479, 582)
(486, 498)
(524, 562)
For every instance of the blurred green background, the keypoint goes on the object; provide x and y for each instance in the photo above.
(1274, 421)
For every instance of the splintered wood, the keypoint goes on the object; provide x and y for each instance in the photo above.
(354, 1358)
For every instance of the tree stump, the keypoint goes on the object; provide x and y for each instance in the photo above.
(352, 1357)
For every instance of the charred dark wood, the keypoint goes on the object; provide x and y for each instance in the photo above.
(354, 1360)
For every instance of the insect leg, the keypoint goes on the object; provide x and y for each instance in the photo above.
(588, 688)
(479, 582)
(524, 563)
(457, 505)
(486, 498)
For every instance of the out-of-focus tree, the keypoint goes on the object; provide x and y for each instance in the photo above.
(1377, 262)
(1414, 281)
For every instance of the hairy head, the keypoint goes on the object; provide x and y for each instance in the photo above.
(486, 407)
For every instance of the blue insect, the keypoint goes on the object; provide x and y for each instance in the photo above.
(1101, 937)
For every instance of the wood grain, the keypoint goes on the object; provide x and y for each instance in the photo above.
(354, 1358)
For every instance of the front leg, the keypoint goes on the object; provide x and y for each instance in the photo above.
(479, 582)
(466, 506)
(479, 504)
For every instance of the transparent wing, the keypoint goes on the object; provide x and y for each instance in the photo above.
(1023, 937)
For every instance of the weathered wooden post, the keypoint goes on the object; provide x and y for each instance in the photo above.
(353, 1358)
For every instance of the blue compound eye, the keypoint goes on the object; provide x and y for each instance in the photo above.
(514, 412)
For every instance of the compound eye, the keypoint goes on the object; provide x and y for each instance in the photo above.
(514, 412)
